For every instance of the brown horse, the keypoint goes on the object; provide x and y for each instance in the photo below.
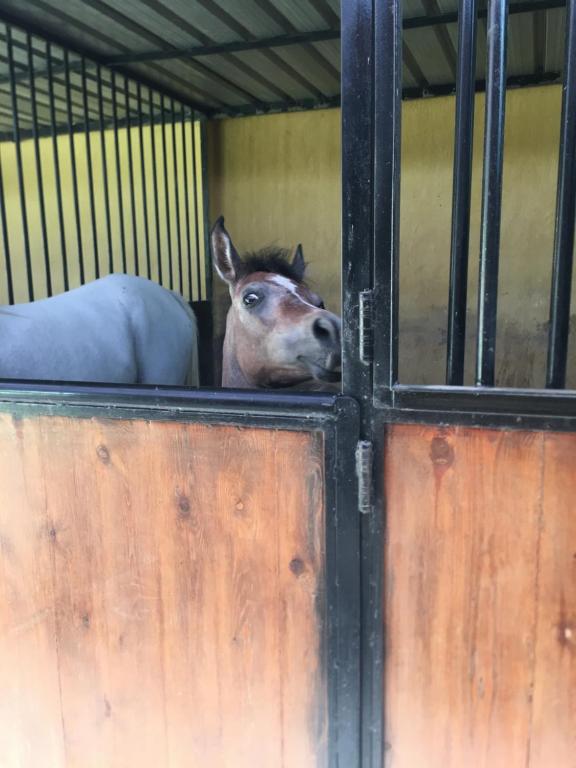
(278, 333)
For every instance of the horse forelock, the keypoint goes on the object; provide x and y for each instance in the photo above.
(275, 261)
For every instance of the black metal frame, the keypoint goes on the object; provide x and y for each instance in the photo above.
(371, 105)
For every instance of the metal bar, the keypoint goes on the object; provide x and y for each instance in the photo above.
(106, 186)
(74, 169)
(56, 158)
(527, 6)
(561, 289)
(5, 239)
(197, 51)
(492, 407)
(90, 170)
(38, 164)
(491, 192)
(196, 218)
(187, 202)
(208, 270)
(155, 185)
(387, 111)
(461, 193)
(144, 181)
(357, 64)
(177, 198)
(118, 175)
(315, 36)
(19, 166)
(166, 194)
(131, 177)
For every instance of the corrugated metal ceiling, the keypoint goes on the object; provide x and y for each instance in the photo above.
(270, 54)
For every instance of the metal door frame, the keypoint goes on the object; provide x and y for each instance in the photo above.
(371, 112)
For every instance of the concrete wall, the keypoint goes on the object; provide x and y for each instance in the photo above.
(277, 179)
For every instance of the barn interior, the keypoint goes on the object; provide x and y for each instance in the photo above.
(244, 97)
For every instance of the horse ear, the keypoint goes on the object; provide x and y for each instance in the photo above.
(224, 256)
(298, 263)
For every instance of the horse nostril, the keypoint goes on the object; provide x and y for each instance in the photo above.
(325, 330)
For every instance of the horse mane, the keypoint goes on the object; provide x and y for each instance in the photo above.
(274, 260)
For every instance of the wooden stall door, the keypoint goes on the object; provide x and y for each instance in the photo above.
(480, 599)
(161, 593)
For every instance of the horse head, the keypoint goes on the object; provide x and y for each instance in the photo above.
(278, 333)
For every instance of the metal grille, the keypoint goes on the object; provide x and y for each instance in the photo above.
(98, 173)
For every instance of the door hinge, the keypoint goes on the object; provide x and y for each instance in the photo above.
(364, 475)
(366, 327)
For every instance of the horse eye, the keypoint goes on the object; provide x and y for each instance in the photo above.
(251, 299)
(321, 305)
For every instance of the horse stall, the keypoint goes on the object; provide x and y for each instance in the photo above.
(378, 576)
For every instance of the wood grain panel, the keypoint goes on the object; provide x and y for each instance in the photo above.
(161, 595)
(553, 738)
(479, 568)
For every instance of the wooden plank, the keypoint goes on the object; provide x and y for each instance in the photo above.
(178, 571)
(463, 517)
(553, 738)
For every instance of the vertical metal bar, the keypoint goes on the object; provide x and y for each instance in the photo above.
(177, 198)
(144, 182)
(19, 164)
(196, 218)
(561, 287)
(491, 192)
(56, 158)
(461, 192)
(38, 163)
(208, 269)
(166, 194)
(73, 164)
(90, 167)
(357, 275)
(102, 130)
(155, 185)
(357, 181)
(118, 172)
(186, 202)
(387, 112)
(5, 240)
(131, 177)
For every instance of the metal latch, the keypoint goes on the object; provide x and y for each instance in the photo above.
(366, 327)
(364, 459)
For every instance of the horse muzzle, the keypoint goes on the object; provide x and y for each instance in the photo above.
(329, 372)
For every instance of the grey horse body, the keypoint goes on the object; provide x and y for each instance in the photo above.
(118, 329)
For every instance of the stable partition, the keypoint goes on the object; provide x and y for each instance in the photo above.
(165, 588)
(480, 598)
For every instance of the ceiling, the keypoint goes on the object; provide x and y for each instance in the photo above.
(238, 57)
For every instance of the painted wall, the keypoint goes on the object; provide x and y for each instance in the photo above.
(277, 179)
(163, 241)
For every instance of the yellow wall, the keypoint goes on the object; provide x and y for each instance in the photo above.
(277, 179)
(14, 215)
